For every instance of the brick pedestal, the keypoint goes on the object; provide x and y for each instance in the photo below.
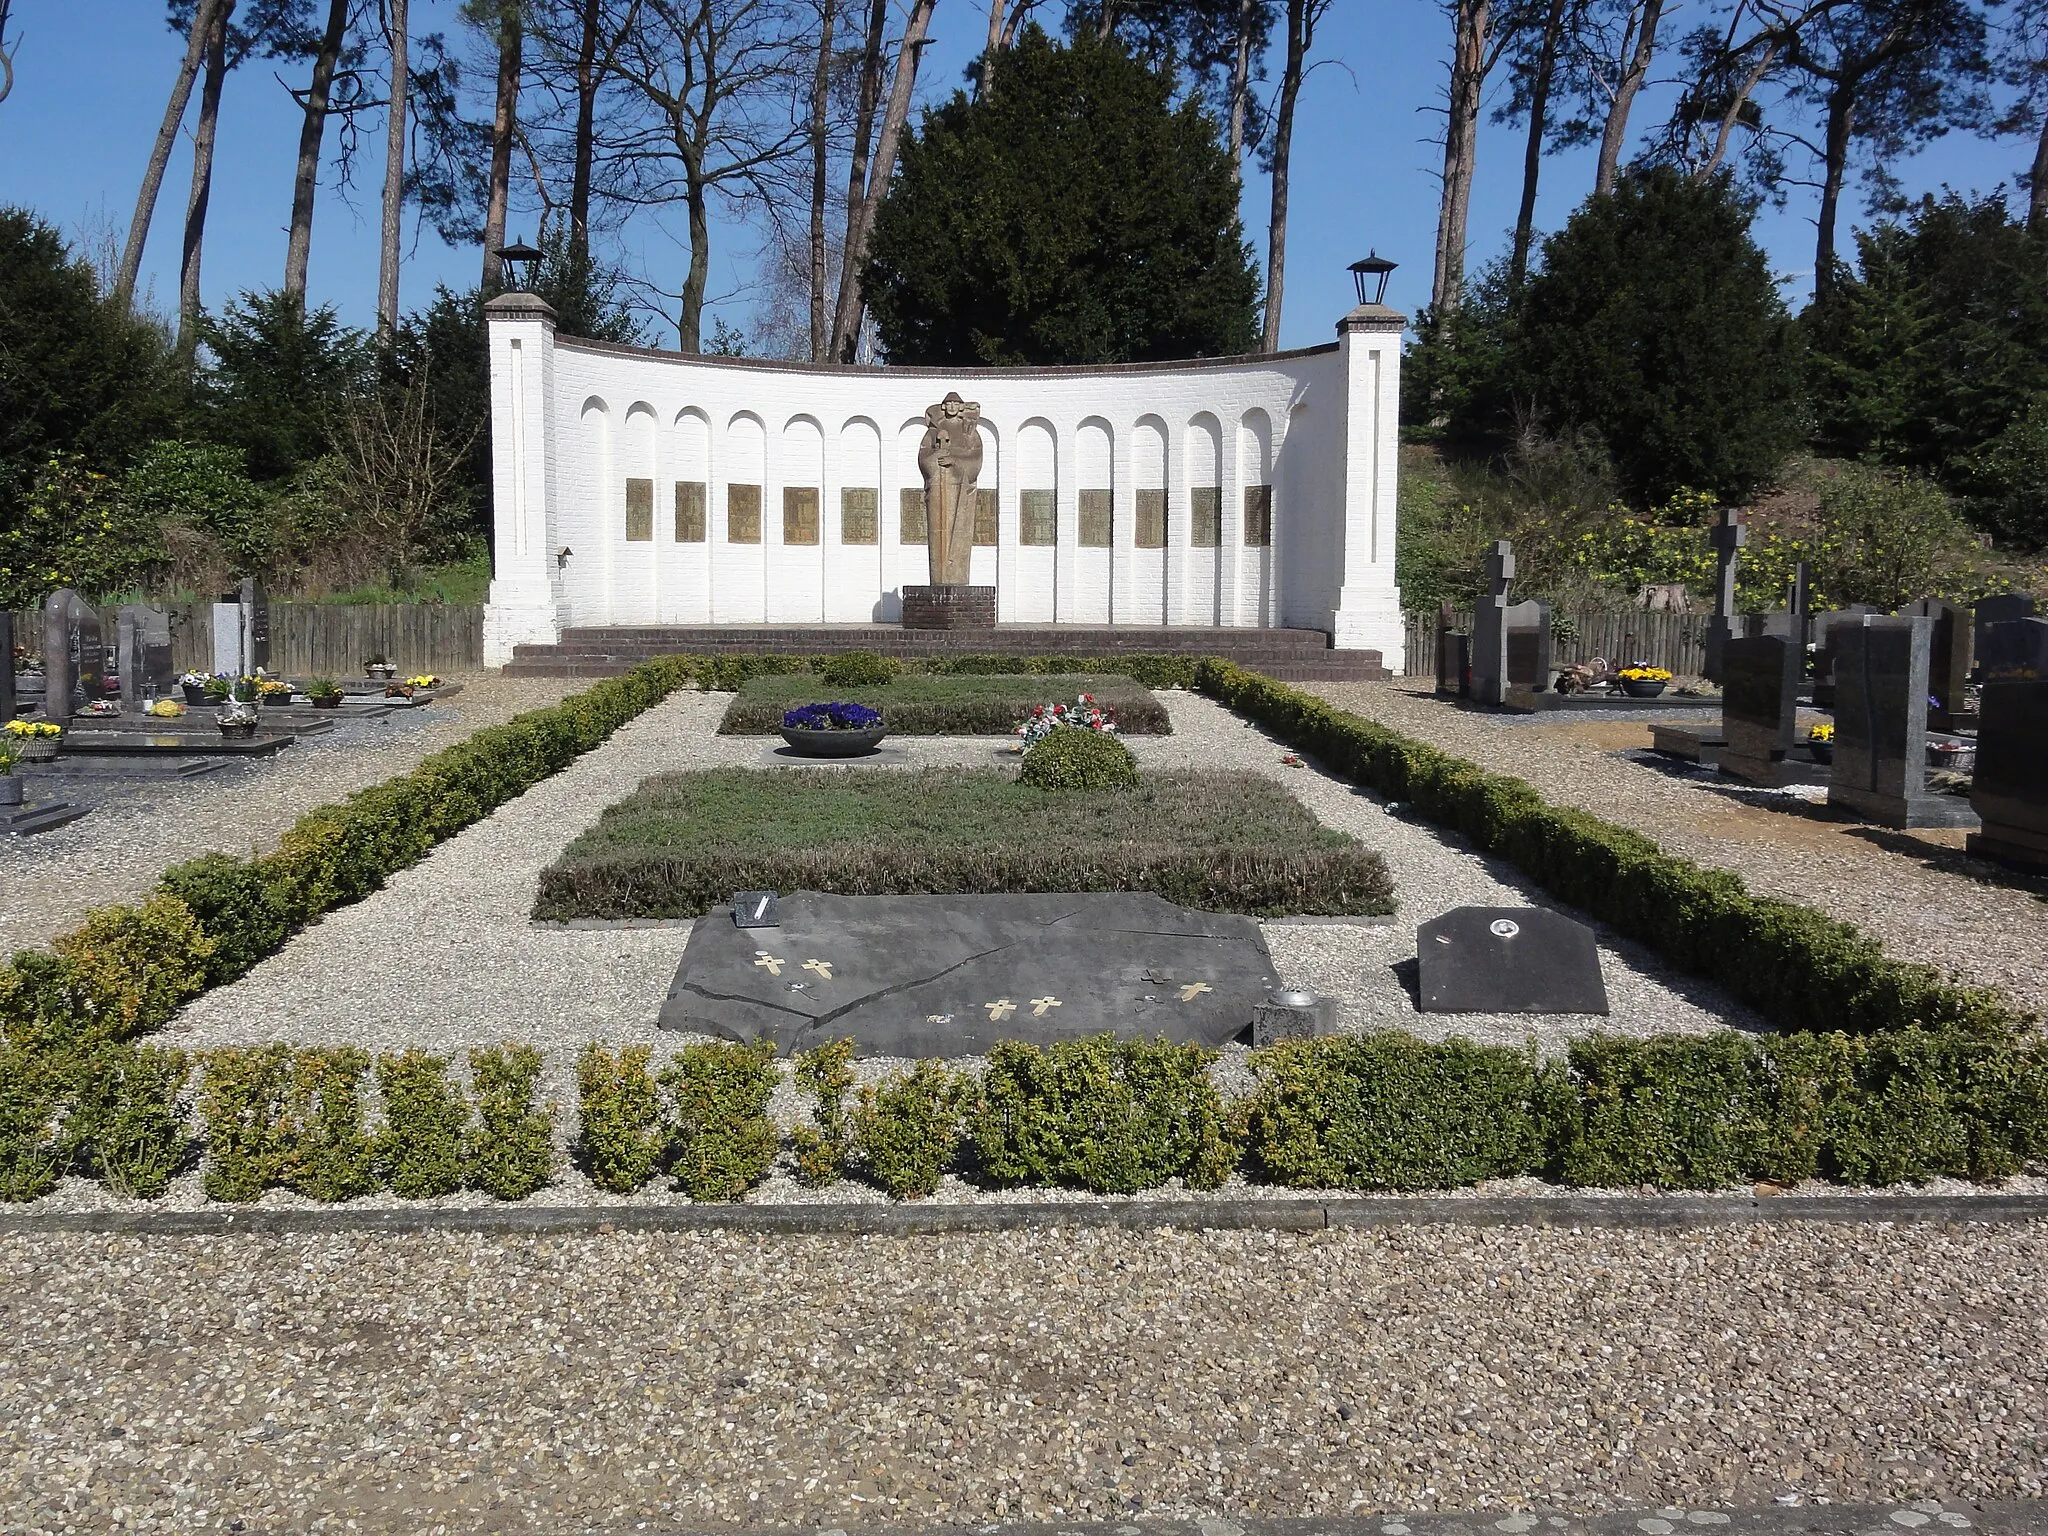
(949, 607)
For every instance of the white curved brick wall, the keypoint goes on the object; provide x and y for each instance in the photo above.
(687, 489)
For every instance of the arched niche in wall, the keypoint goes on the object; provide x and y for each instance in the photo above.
(739, 572)
(1037, 575)
(796, 576)
(1150, 525)
(854, 525)
(984, 567)
(1202, 465)
(684, 505)
(1255, 536)
(585, 523)
(635, 580)
(1094, 519)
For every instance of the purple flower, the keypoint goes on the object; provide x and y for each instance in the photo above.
(832, 717)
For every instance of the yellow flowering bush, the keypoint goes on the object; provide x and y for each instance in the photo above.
(1822, 731)
(1644, 675)
(425, 680)
(23, 729)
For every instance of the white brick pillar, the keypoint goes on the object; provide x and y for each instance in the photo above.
(525, 604)
(1368, 611)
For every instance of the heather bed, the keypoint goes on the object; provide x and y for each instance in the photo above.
(1221, 842)
(921, 705)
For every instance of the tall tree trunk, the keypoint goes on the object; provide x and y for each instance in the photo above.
(160, 153)
(2037, 183)
(203, 138)
(1835, 165)
(846, 322)
(394, 177)
(821, 92)
(504, 127)
(6, 58)
(1461, 151)
(690, 324)
(865, 107)
(1240, 86)
(1105, 24)
(1532, 154)
(1733, 115)
(312, 135)
(584, 146)
(1615, 135)
(1298, 24)
(995, 46)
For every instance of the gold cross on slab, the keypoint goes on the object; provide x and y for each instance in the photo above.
(1040, 1005)
(772, 964)
(1194, 990)
(822, 967)
(999, 1010)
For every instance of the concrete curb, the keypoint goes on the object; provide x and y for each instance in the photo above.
(1664, 1212)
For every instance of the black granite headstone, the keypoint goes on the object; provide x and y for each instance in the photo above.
(1728, 538)
(2009, 789)
(920, 976)
(1759, 707)
(1508, 960)
(1824, 649)
(1528, 645)
(145, 654)
(255, 626)
(1948, 660)
(2015, 649)
(1880, 769)
(2002, 609)
(74, 662)
(1453, 665)
(7, 700)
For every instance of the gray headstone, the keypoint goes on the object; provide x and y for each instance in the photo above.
(1528, 644)
(2003, 609)
(1880, 768)
(7, 699)
(2009, 790)
(1948, 658)
(1728, 538)
(1489, 627)
(228, 640)
(2017, 648)
(145, 654)
(1759, 707)
(74, 661)
(1824, 650)
(952, 975)
(1508, 960)
(255, 605)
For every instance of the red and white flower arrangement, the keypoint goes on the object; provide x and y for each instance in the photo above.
(1083, 713)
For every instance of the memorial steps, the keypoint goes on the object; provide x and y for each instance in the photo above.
(1290, 655)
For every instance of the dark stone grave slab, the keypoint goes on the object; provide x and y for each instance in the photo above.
(114, 741)
(2006, 608)
(1700, 744)
(920, 976)
(1759, 706)
(1880, 769)
(2014, 649)
(1529, 673)
(39, 816)
(1948, 659)
(2009, 789)
(1824, 625)
(144, 655)
(1508, 960)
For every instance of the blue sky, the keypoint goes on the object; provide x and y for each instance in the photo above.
(91, 78)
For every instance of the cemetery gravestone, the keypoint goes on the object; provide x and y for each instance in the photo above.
(145, 655)
(2009, 790)
(1824, 626)
(2006, 608)
(1507, 960)
(1528, 647)
(255, 605)
(1880, 768)
(7, 700)
(228, 638)
(73, 661)
(1759, 707)
(1489, 627)
(1729, 537)
(1948, 667)
(2014, 650)
(1453, 655)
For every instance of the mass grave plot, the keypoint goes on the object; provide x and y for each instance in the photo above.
(970, 705)
(1221, 842)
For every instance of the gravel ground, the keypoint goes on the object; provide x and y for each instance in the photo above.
(1916, 891)
(143, 826)
(464, 1383)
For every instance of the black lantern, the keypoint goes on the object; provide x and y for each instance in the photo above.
(520, 254)
(1372, 273)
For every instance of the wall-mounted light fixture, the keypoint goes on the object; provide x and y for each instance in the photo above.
(562, 556)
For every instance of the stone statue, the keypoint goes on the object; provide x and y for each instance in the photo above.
(950, 459)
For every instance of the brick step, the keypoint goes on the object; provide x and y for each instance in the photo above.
(1366, 669)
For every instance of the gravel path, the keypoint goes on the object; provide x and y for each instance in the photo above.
(1915, 891)
(460, 1383)
(48, 882)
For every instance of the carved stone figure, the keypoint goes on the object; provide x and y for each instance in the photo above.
(950, 459)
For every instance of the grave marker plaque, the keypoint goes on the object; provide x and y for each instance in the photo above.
(1880, 769)
(1759, 706)
(74, 661)
(144, 649)
(2009, 790)
(1508, 960)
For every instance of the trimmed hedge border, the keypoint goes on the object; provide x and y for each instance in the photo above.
(1796, 966)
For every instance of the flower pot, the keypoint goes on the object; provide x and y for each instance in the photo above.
(384, 669)
(242, 730)
(327, 701)
(1636, 688)
(36, 749)
(195, 693)
(10, 789)
(834, 743)
(1823, 751)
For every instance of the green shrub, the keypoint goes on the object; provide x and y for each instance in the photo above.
(128, 1129)
(1115, 1116)
(509, 1151)
(821, 1149)
(236, 909)
(419, 1150)
(1677, 1112)
(243, 1102)
(1390, 1111)
(1072, 758)
(33, 1091)
(49, 1005)
(859, 669)
(907, 1129)
(328, 1154)
(622, 1137)
(724, 1143)
(144, 961)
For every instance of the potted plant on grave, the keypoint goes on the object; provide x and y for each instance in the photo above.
(377, 666)
(324, 692)
(10, 786)
(217, 689)
(194, 686)
(1820, 741)
(272, 690)
(237, 719)
(34, 741)
(1643, 681)
(833, 730)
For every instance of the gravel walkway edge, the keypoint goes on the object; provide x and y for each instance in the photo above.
(1279, 1215)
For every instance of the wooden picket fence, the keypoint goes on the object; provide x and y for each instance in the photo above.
(1675, 641)
(320, 639)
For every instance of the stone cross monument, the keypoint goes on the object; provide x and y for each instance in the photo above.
(1489, 627)
(1728, 538)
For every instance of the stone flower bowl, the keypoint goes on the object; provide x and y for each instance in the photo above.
(833, 730)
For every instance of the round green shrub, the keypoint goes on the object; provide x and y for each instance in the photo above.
(860, 669)
(1071, 758)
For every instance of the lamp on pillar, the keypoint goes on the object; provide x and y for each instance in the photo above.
(520, 254)
(1371, 277)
